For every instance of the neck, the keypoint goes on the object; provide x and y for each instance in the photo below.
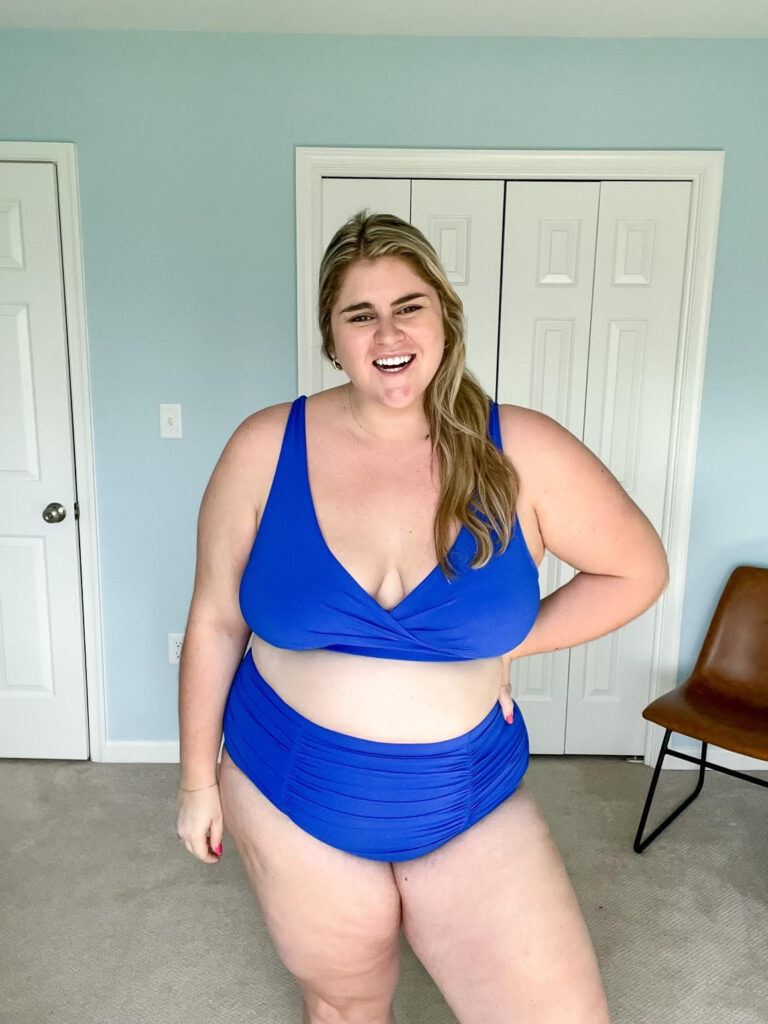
(384, 423)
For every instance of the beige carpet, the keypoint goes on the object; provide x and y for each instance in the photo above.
(106, 919)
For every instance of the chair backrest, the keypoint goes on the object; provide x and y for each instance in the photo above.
(734, 655)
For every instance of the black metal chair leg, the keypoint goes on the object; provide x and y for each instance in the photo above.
(639, 846)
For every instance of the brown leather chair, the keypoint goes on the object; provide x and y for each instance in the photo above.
(725, 699)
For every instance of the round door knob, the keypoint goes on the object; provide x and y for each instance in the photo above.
(54, 512)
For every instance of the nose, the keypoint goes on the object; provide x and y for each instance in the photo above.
(388, 328)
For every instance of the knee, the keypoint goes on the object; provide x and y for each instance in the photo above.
(365, 998)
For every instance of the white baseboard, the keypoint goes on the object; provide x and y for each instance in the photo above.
(717, 755)
(130, 752)
(167, 752)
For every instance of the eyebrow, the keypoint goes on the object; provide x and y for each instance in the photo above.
(368, 305)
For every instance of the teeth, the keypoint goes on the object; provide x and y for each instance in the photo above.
(393, 361)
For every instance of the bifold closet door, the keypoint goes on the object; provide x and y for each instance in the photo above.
(590, 326)
(589, 310)
(546, 308)
(462, 220)
(342, 198)
(633, 353)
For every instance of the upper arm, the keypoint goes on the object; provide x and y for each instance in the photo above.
(228, 518)
(586, 517)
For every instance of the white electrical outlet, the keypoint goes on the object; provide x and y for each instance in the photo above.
(175, 640)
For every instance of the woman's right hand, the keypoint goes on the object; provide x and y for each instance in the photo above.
(200, 822)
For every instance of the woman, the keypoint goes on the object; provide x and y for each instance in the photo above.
(381, 539)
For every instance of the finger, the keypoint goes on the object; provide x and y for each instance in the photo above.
(507, 704)
(202, 852)
(212, 851)
(216, 837)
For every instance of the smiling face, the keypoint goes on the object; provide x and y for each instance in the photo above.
(385, 312)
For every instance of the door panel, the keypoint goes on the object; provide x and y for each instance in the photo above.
(633, 351)
(342, 199)
(462, 220)
(546, 304)
(43, 710)
(589, 310)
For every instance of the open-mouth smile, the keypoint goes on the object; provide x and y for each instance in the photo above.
(394, 364)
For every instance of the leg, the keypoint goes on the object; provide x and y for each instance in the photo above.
(495, 921)
(334, 918)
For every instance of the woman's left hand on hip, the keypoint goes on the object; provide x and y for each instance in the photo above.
(505, 695)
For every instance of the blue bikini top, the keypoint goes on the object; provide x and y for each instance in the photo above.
(296, 594)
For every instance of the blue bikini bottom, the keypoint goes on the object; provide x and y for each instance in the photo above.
(381, 801)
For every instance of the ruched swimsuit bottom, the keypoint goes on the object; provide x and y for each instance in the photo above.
(381, 801)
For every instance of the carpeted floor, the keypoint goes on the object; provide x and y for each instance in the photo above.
(106, 919)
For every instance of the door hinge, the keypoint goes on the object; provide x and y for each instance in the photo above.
(77, 510)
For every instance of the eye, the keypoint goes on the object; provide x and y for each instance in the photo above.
(365, 316)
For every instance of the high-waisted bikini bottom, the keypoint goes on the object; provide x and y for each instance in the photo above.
(382, 801)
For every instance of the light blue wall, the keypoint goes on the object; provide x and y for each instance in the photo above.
(186, 157)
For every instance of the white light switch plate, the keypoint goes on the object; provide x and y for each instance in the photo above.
(170, 420)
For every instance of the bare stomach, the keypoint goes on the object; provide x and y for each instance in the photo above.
(380, 698)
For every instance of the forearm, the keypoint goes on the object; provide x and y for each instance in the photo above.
(209, 660)
(587, 607)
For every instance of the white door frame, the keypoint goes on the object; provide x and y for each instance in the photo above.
(63, 156)
(703, 168)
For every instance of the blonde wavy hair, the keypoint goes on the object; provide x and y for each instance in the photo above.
(474, 475)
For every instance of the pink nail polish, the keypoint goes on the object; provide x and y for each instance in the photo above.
(218, 849)
(509, 718)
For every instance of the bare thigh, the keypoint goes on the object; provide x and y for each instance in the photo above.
(494, 919)
(334, 918)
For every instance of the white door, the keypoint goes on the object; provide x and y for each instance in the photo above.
(590, 330)
(462, 220)
(546, 308)
(634, 348)
(588, 325)
(43, 711)
(342, 199)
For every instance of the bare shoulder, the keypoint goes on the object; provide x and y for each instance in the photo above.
(529, 436)
(260, 425)
(525, 433)
(543, 447)
(230, 512)
(519, 427)
(585, 516)
(251, 453)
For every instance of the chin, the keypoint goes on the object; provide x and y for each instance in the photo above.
(400, 395)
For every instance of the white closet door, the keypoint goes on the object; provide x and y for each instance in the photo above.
(633, 350)
(605, 369)
(589, 335)
(546, 306)
(462, 220)
(342, 199)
